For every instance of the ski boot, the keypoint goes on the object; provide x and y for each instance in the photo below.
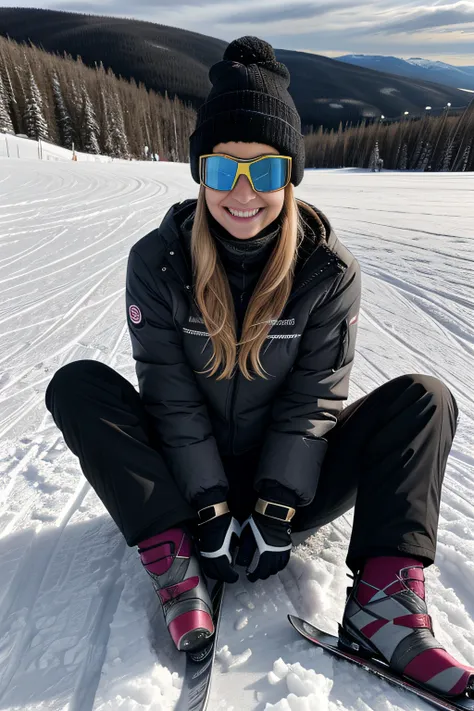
(174, 568)
(386, 618)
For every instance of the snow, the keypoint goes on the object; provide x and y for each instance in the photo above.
(435, 65)
(15, 146)
(80, 628)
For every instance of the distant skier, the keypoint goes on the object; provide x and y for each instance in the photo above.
(243, 309)
(379, 165)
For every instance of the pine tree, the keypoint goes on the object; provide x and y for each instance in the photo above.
(403, 160)
(9, 93)
(63, 119)
(73, 99)
(426, 156)
(106, 132)
(117, 129)
(35, 123)
(417, 153)
(6, 125)
(90, 127)
(465, 158)
(447, 157)
(374, 157)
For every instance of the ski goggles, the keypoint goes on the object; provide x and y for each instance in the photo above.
(266, 174)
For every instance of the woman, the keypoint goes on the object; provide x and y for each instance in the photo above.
(243, 308)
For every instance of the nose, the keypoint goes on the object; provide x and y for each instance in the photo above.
(243, 191)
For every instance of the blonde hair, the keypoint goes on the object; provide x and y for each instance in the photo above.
(214, 298)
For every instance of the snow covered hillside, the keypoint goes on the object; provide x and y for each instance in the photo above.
(19, 147)
(80, 628)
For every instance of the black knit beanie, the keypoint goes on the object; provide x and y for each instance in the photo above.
(249, 102)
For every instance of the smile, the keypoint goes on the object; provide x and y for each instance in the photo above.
(244, 215)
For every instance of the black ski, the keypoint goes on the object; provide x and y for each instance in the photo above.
(199, 665)
(329, 643)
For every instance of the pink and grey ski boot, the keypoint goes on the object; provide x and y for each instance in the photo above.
(386, 617)
(174, 568)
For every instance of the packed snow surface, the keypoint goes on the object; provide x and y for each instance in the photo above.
(80, 627)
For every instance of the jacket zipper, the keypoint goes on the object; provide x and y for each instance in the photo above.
(343, 347)
(242, 296)
(235, 384)
(332, 265)
(238, 376)
(235, 387)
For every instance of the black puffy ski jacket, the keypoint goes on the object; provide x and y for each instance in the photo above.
(309, 356)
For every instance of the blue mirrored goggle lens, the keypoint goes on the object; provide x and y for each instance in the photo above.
(269, 173)
(218, 173)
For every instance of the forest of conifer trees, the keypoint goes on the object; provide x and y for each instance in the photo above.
(60, 100)
(424, 143)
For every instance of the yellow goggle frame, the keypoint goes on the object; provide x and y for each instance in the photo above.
(243, 168)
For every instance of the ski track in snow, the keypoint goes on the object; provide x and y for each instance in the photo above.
(80, 628)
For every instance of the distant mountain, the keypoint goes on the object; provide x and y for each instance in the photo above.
(415, 68)
(325, 91)
(439, 66)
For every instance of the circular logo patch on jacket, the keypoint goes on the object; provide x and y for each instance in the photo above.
(135, 314)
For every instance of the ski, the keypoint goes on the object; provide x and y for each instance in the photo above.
(329, 643)
(199, 665)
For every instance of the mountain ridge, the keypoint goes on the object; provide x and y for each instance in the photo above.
(458, 77)
(168, 59)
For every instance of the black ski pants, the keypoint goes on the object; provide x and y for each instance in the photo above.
(386, 456)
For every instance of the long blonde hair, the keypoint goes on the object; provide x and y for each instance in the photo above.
(214, 299)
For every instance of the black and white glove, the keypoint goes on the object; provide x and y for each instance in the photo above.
(265, 540)
(217, 539)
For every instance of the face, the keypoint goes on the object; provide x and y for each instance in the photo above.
(243, 197)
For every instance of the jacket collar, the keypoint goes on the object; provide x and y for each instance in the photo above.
(315, 251)
(319, 231)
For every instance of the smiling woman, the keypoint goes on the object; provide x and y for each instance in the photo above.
(243, 328)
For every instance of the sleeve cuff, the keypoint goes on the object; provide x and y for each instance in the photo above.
(197, 468)
(209, 497)
(292, 461)
(278, 494)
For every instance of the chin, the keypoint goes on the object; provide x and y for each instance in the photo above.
(244, 233)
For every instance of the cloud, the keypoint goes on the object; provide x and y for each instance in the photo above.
(124, 7)
(435, 18)
(397, 27)
(282, 13)
(255, 13)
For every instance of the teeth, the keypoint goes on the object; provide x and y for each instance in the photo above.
(238, 213)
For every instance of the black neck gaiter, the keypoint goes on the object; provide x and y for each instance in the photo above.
(244, 259)
(249, 249)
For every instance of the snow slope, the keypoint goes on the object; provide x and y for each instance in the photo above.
(80, 629)
(20, 147)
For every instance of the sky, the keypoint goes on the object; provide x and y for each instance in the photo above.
(436, 29)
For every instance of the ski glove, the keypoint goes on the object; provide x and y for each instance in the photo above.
(217, 539)
(265, 541)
